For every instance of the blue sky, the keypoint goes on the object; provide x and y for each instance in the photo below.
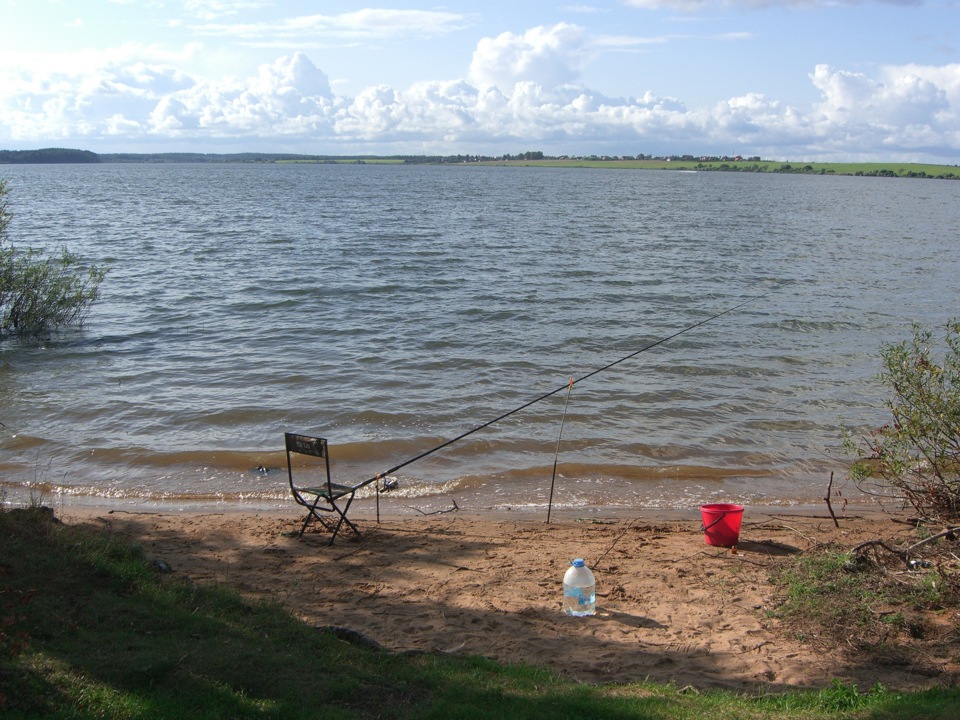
(783, 79)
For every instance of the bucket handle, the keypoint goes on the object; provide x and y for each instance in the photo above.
(723, 514)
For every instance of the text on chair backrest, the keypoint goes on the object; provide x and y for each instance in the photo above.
(306, 445)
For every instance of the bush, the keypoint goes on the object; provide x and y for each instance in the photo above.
(37, 291)
(916, 456)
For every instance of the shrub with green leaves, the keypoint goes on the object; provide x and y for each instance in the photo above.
(39, 291)
(916, 456)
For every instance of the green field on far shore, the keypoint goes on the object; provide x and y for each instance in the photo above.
(877, 169)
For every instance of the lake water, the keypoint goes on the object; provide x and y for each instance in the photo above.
(391, 308)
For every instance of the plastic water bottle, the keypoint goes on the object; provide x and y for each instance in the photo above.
(579, 590)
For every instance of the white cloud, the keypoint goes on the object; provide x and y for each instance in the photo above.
(359, 25)
(292, 78)
(85, 93)
(628, 41)
(287, 97)
(583, 9)
(909, 107)
(680, 5)
(753, 121)
(379, 22)
(377, 112)
(735, 36)
(92, 61)
(520, 88)
(547, 56)
(694, 5)
(212, 9)
(120, 126)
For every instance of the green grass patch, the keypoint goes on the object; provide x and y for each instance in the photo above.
(91, 628)
(882, 613)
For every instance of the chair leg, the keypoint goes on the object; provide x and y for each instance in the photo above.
(311, 514)
(306, 521)
(343, 519)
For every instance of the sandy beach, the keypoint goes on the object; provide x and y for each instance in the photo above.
(669, 608)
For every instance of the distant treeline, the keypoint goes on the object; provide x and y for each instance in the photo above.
(911, 170)
(66, 155)
(275, 158)
(212, 158)
(63, 155)
(530, 158)
(47, 156)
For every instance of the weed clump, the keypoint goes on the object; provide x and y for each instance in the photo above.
(915, 458)
(870, 603)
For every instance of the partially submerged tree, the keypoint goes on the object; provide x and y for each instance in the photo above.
(37, 291)
(916, 456)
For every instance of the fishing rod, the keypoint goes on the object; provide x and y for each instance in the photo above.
(567, 386)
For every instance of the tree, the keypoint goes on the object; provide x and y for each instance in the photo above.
(917, 454)
(39, 292)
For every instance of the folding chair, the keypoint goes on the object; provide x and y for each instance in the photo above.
(327, 496)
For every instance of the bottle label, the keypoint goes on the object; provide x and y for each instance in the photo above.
(584, 596)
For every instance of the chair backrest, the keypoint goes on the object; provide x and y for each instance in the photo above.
(306, 445)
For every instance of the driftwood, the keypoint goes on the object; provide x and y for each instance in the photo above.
(905, 553)
(455, 508)
(354, 637)
(939, 535)
(827, 498)
(807, 517)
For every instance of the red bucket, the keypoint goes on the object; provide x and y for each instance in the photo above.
(721, 524)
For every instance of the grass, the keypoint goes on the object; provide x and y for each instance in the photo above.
(870, 604)
(90, 628)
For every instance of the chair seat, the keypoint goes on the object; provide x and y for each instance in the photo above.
(335, 491)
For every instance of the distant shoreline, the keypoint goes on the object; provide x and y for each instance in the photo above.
(48, 156)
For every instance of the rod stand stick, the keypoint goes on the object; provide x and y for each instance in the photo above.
(556, 456)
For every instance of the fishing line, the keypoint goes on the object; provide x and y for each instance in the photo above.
(590, 374)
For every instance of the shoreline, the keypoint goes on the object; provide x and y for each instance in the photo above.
(390, 508)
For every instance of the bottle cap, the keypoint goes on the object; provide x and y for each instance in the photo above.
(577, 562)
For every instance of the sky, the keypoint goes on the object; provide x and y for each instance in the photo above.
(815, 80)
